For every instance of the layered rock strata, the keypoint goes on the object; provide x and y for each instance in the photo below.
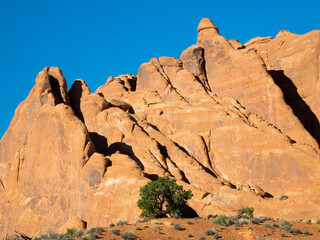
(234, 123)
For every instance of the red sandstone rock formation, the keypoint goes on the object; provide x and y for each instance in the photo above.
(237, 124)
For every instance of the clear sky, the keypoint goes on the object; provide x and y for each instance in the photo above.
(96, 39)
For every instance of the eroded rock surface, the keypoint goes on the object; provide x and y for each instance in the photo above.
(234, 123)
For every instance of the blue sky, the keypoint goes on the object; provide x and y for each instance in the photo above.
(96, 39)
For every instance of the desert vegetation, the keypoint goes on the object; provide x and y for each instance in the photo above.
(244, 223)
(163, 197)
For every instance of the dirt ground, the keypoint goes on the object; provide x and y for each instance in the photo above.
(195, 228)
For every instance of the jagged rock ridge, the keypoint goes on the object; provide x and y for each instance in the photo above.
(234, 123)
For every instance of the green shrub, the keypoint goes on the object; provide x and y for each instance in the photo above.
(156, 227)
(243, 221)
(71, 231)
(222, 220)
(91, 230)
(78, 233)
(208, 232)
(128, 235)
(294, 231)
(255, 221)
(121, 222)
(216, 236)
(263, 218)
(89, 236)
(246, 212)
(286, 226)
(161, 197)
(267, 225)
(115, 231)
(306, 232)
(177, 227)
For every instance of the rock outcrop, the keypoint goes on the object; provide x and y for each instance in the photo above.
(237, 124)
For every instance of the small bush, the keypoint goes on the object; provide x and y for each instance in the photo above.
(283, 197)
(202, 238)
(111, 225)
(138, 228)
(121, 222)
(71, 231)
(238, 224)
(286, 226)
(115, 231)
(306, 233)
(318, 221)
(243, 221)
(78, 233)
(161, 233)
(283, 234)
(263, 218)
(222, 220)
(275, 225)
(144, 220)
(113, 238)
(216, 236)
(235, 217)
(91, 230)
(190, 223)
(260, 238)
(208, 232)
(99, 229)
(267, 225)
(156, 227)
(318, 229)
(246, 212)
(55, 235)
(90, 236)
(128, 235)
(190, 235)
(308, 222)
(177, 227)
(295, 231)
(255, 220)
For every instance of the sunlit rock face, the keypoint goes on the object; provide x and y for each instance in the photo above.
(237, 124)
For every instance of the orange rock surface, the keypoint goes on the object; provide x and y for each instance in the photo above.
(237, 124)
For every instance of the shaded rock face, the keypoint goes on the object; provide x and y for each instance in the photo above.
(293, 63)
(234, 123)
